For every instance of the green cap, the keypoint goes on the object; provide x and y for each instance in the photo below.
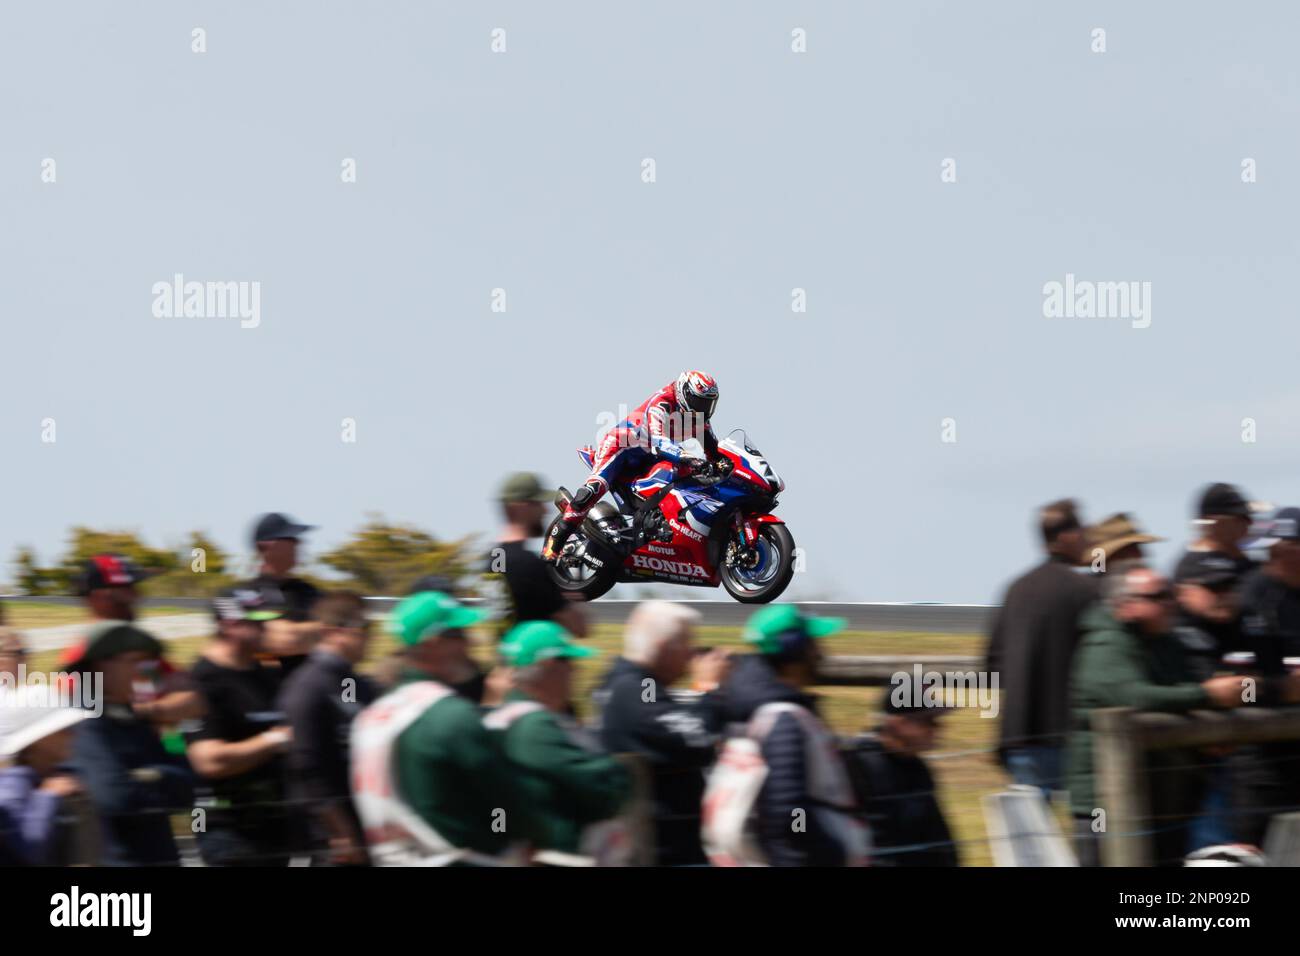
(429, 613)
(766, 626)
(534, 641)
(525, 486)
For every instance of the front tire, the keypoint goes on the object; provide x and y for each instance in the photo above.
(771, 576)
(574, 576)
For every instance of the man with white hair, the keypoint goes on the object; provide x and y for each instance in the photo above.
(677, 739)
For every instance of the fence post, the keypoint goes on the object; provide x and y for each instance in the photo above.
(1121, 787)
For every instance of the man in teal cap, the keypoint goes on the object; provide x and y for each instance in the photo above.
(573, 787)
(807, 812)
(430, 783)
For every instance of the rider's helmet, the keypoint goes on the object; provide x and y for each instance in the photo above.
(697, 392)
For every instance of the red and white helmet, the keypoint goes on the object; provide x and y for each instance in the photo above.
(697, 392)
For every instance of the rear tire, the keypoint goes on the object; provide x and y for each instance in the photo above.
(580, 579)
(750, 589)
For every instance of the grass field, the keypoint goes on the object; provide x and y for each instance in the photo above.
(962, 764)
(29, 614)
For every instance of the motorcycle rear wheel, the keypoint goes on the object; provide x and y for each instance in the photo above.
(575, 577)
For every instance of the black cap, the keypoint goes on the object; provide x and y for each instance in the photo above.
(1207, 568)
(275, 526)
(111, 638)
(905, 697)
(107, 571)
(1222, 499)
(1283, 526)
(245, 603)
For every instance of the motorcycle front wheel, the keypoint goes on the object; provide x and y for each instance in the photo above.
(763, 579)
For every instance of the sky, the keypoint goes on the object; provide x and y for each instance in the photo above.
(523, 170)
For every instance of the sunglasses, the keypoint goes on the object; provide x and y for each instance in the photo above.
(1163, 596)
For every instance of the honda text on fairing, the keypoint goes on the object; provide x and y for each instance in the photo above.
(686, 520)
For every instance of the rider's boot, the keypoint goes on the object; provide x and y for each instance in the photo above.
(574, 513)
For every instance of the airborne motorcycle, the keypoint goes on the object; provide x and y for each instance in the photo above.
(703, 524)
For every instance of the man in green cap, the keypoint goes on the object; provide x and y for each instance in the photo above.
(574, 788)
(532, 594)
(429, 783)
(806, 812)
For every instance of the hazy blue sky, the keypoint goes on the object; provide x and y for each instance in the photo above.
(775, 170)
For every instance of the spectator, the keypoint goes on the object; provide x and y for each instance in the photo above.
(107, 586)
(573, 788)
(41, 809)
(677, 740)
(1129, 657)
(13, 652)
(239, 744)
(429, 782)
(132, 781)
(1114, 540)
(1223, 519)
(1267, 776)
(320, 700)
(806, 778)
(1031, 643)
(291, 636)
(894, 785)
(1207, 624)
(468, 678)
(533, 594)
(1207, 628)
(1270, 597)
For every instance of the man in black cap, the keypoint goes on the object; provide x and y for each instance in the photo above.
(107, 585)
(1270, 596)
(1207, 627)
(1207, 623)
(894, 785)
(1223, 518)
(134, 784)
(239, 745)
(1268, 775)
(291, 637)
(533, 595)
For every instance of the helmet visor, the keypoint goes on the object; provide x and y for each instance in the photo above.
(702, 404)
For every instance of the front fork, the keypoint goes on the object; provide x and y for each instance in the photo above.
(744, 535)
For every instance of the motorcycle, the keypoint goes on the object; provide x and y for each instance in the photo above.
(690, 522)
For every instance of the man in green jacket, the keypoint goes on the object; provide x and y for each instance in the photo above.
(573, 788)
(1129, 657)
(430, 783)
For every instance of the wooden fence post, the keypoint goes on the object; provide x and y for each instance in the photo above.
(1121, 788)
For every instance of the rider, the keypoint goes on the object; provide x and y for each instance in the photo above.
(655, 430)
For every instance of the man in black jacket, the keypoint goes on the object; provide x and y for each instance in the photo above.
(1031, 644)
(1267, 776)
(894, 784)
(134, 784)
(320, 699)
(676, 737)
